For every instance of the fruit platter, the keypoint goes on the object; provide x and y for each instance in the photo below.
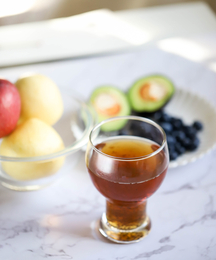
(180, 113)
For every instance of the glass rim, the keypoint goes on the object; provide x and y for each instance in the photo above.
(138, 118)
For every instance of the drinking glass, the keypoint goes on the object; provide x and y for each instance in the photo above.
(127, 166)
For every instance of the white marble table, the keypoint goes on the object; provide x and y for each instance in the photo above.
(60, 222)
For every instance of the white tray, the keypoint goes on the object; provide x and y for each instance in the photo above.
(190, 107)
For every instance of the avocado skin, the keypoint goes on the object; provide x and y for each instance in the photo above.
(138, 104)
(123, 102)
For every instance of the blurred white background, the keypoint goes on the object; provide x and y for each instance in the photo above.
(21, 11)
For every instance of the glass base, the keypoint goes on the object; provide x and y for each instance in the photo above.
(124, 236)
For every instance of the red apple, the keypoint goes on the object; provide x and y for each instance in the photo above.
(10, 105)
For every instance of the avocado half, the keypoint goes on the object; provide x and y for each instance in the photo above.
(109, 101)
(151, 93)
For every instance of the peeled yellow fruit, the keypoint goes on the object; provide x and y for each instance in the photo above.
(40, 98)
(32, 138)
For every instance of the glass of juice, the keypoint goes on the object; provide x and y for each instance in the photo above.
(127, 166)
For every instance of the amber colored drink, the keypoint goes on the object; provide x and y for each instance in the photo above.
(127, 176)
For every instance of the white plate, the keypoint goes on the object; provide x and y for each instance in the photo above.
(190, 107)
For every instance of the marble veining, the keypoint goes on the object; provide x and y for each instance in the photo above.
(30, 226)
(158, 251)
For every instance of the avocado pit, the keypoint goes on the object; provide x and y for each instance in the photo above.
(152, 91)
(107, 104)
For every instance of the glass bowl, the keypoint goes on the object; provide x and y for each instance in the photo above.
(74, 127)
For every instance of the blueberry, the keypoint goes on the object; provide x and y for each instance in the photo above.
(124, 132)
(165, 118)
(167, 127)
(134, 128)
(157, 115)
(142, 129)
(177, 123)
(134, 125)
(186, 143)
(179, 135)
(171, 147)
(190, 131)
(173, 155)
(197, 125)
(179, 148)
(171, 139)
(194, 144)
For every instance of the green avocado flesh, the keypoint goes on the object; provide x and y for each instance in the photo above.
(108, 101)
(150, 94)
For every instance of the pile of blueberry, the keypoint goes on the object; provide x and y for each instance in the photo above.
(180, 137)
